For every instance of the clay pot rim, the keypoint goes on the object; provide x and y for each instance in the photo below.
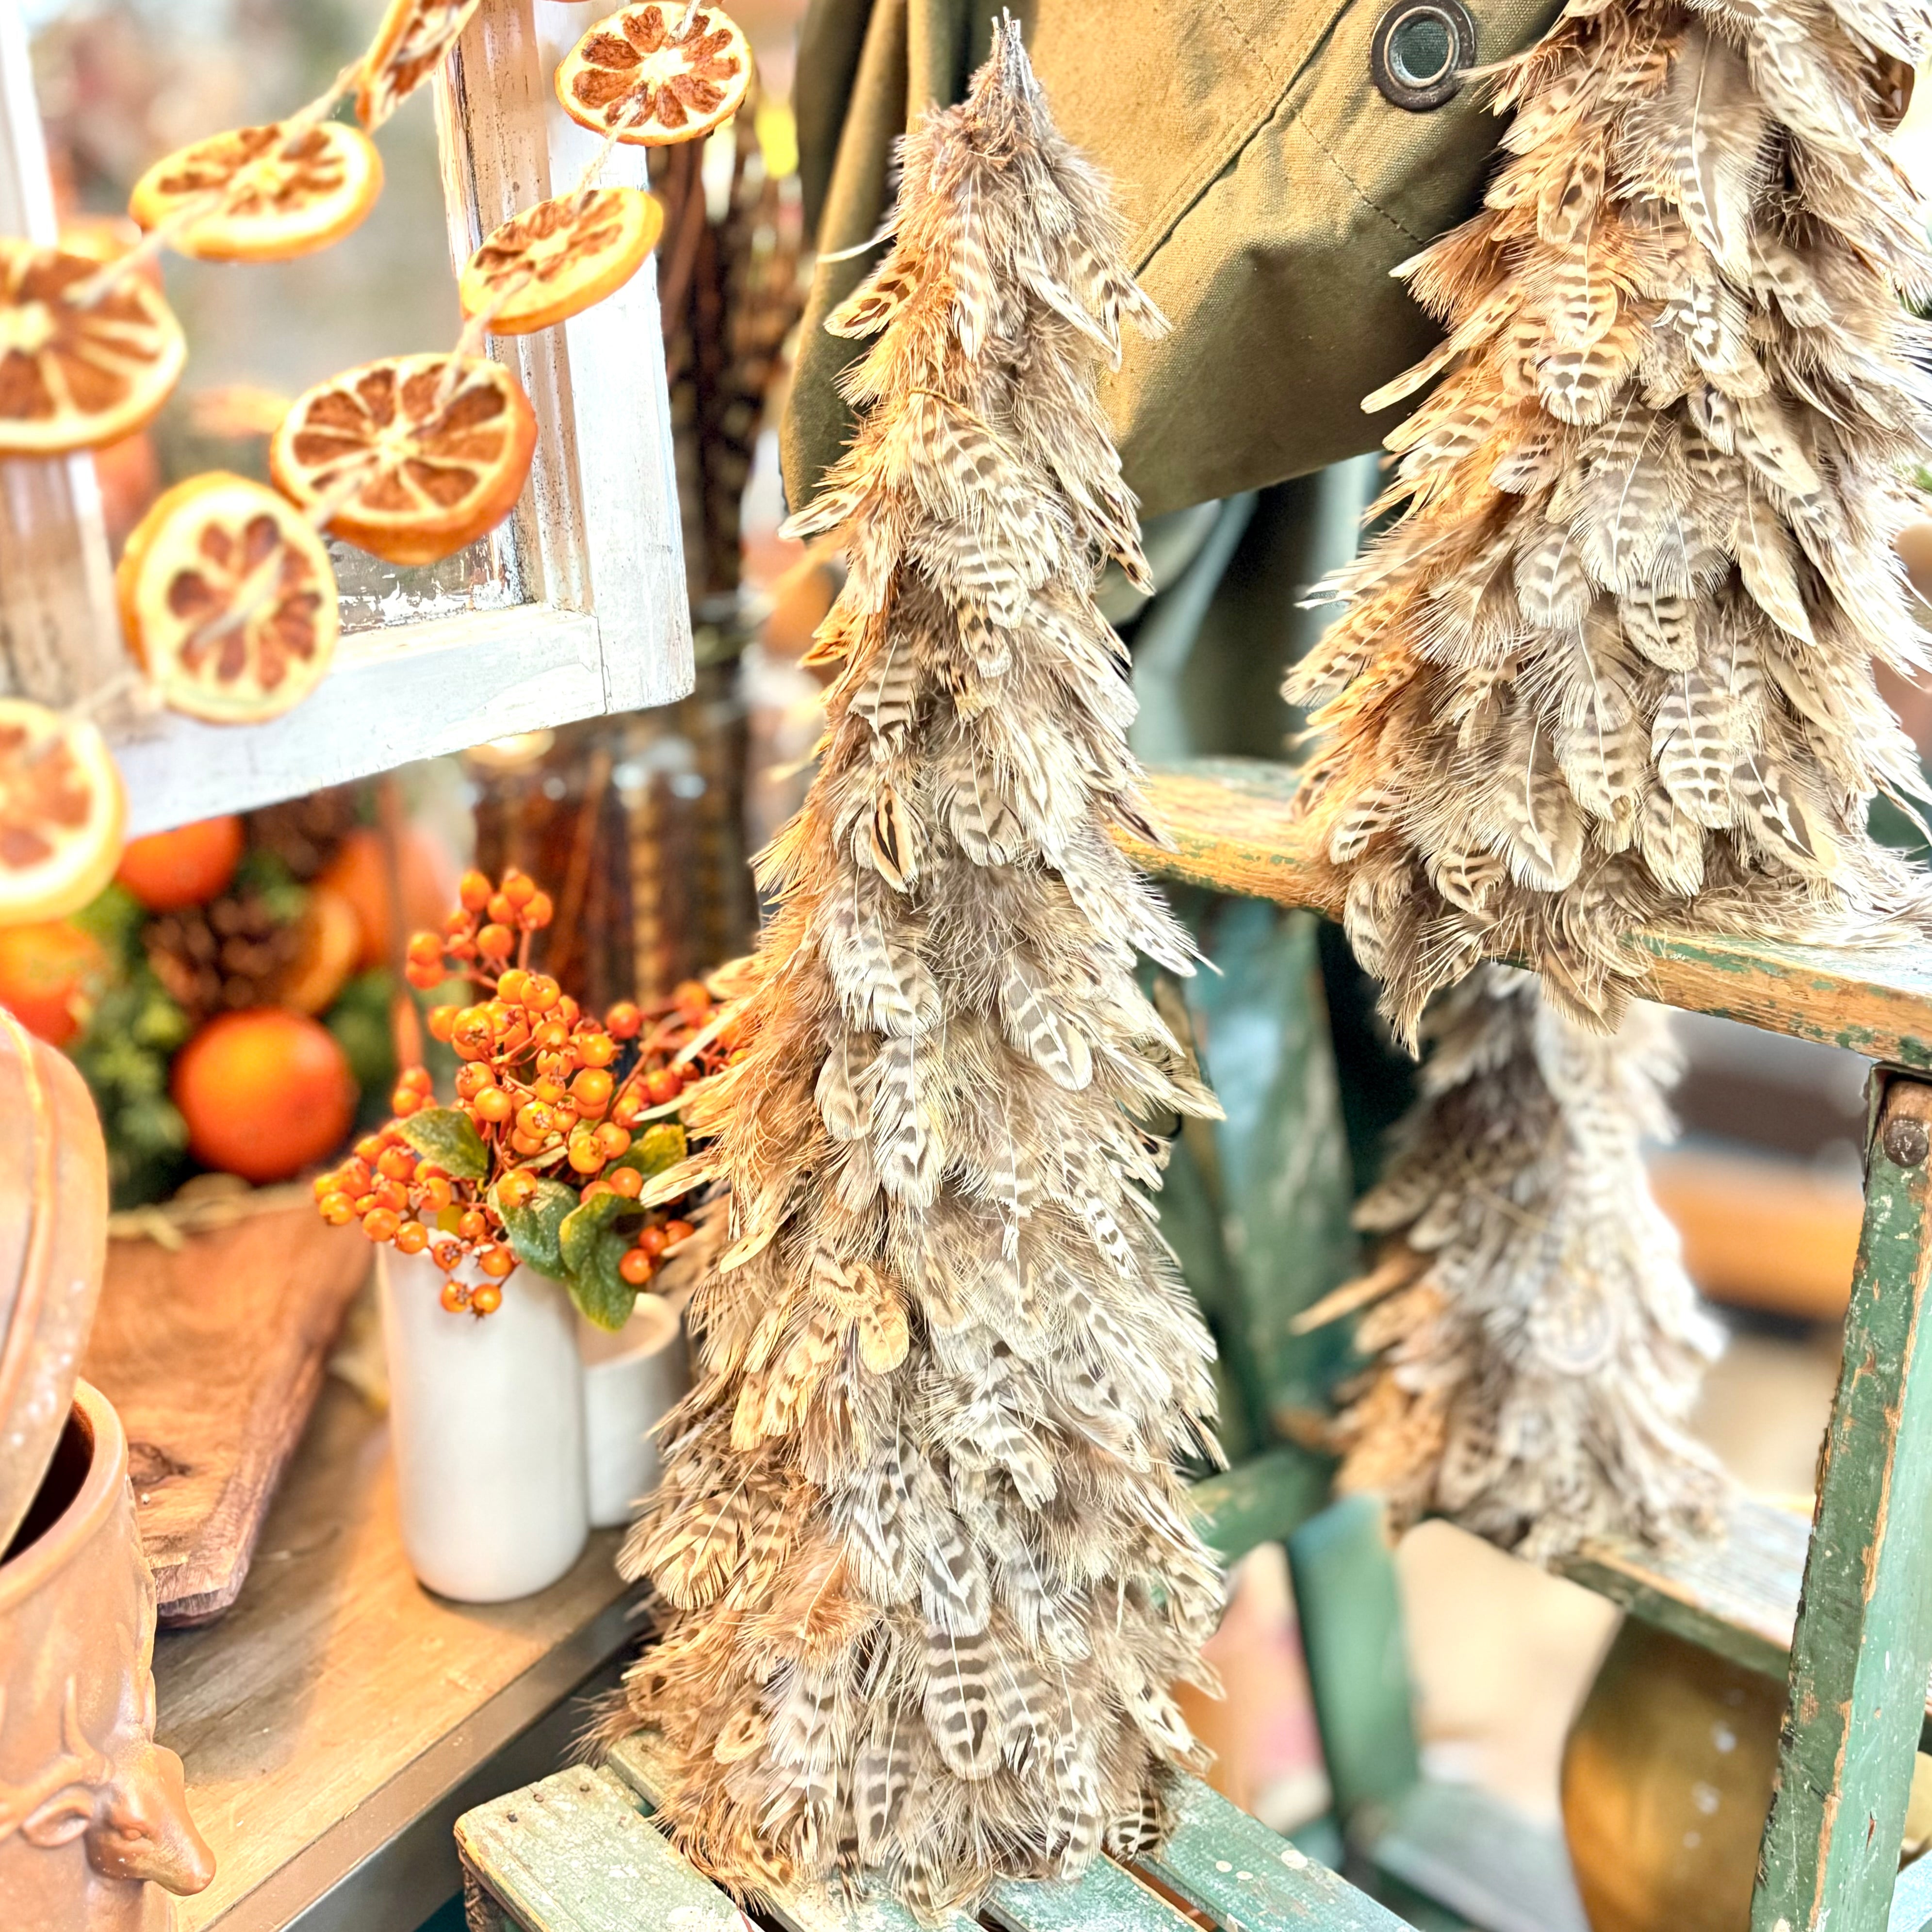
(93, 1503)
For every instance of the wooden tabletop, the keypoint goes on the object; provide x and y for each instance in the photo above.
(338, 1705)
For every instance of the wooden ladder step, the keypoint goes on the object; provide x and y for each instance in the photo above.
(572, 1853)
(1459, 1846)
(1736, 1594)
(1227, 819)
(1231, 1868)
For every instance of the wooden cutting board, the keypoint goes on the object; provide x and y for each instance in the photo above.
(212, 1353)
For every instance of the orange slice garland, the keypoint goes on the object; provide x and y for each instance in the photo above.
(408, 48)
(656, 73)
(62, 812)
(228, 599)
(75, 375)
(270, 192)
(422, 454)
(559, 258)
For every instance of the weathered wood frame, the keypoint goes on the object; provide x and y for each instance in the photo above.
(604, 625)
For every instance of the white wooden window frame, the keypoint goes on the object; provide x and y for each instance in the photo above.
(606, 627)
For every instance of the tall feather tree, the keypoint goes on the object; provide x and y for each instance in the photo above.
(1614, 667)
(929, 1564)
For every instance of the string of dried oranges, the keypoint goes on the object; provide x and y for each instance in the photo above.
(226, 592)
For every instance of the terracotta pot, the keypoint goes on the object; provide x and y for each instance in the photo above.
(91, 1809)
(53, 1246)
(1667, 1778)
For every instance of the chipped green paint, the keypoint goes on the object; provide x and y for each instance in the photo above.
(1266, 1500)
(638, 1761)
(1216, 1852)
(1342, 1563)
(572, 1853)
(1863, 1645)
(1241, 1875)
(1106, 1899)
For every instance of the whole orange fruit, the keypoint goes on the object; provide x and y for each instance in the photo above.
(264, 1093)
(44, 971)
(358, 871)
(168, 870)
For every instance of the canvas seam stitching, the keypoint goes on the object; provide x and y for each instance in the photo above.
(1241, 131)
(1300, 125)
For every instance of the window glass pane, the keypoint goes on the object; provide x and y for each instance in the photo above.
(120, 82)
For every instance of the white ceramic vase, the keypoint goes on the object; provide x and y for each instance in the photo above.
(631, 1380)
(486, 1418)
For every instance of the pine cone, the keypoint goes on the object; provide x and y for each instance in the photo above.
(304, 833)
(223, 957)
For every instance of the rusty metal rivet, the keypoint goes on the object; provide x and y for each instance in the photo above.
(1907, 1142)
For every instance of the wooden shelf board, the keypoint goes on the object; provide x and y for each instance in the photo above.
(1228, 820)
(395, 695)
(338, 1700)
(1467, 1849)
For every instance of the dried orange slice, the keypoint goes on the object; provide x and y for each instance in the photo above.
(269, 193)
(408, 48)
(658, 72)
(74, 376)
(61, 810)
(559, 257)
(228, 599)
(421, 453)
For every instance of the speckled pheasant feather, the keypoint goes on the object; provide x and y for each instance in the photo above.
(1614, 665)
(1537, 1344)
(929, 1564)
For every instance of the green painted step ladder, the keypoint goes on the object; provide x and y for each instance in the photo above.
(1844, 1614)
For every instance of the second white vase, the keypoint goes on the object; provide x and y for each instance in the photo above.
(486, 1417)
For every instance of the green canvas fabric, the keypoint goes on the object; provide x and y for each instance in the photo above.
(1269, 186)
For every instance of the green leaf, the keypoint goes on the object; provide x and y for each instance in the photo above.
(115, 917)
(447, 1136)
(656, 1148)
(533, 1227)
(594, 1238)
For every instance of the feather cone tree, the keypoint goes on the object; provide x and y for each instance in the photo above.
(1614, 667)
(1537, 1344)
(930, 1568)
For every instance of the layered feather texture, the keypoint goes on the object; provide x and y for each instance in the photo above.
(1536, 1343)
(929, 1566)
(1614, 665)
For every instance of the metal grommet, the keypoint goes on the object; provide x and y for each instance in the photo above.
(1421, 51)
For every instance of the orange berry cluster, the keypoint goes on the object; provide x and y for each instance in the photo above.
(549, 1091)
(489, 924)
